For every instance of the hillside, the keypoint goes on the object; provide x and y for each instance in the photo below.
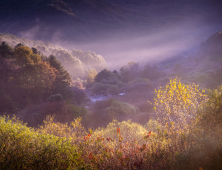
(81, 20)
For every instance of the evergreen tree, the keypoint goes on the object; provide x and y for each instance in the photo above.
(63, 78)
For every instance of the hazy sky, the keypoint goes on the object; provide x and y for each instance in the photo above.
(149, 46)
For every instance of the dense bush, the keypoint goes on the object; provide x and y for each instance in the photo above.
(129, 130)
(121, 109)
(24, 148)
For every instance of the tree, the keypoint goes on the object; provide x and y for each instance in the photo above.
(129, 71)
(63, 78)
(102, 75)
(178, 103)
(35, 51)
(5, 50)
(91, 76)
(23, 56)
(44, 76)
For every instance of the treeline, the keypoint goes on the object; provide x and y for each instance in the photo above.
(131, 76)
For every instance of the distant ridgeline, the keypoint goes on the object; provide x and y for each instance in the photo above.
(212, 47)
(77, 62)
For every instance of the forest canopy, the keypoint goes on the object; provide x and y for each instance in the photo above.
(28, 78)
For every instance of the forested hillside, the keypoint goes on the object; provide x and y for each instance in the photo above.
(77, 62)
(33, 86)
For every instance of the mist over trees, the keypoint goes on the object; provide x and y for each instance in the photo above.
(77, 62)
(161, 109)
(33, 86)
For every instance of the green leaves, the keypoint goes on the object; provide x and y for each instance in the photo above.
(24, 147)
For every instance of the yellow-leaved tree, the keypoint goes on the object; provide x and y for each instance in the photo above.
(91, 76)
(178, 103)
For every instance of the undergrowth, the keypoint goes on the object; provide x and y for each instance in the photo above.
(171, 142)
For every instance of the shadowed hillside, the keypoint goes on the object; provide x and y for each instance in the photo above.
(86, 20)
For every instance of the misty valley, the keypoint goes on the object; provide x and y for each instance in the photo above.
(107, 84)
(137, 117)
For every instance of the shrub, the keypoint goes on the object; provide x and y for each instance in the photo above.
(121, 109)
(129, 130)
(74, 129)
(24, 148)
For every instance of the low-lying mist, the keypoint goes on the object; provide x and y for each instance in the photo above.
(148, 46)
(125, 31)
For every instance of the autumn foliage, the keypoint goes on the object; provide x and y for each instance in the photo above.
(29, 78)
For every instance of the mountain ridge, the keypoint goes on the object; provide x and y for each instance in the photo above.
(85, 20)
